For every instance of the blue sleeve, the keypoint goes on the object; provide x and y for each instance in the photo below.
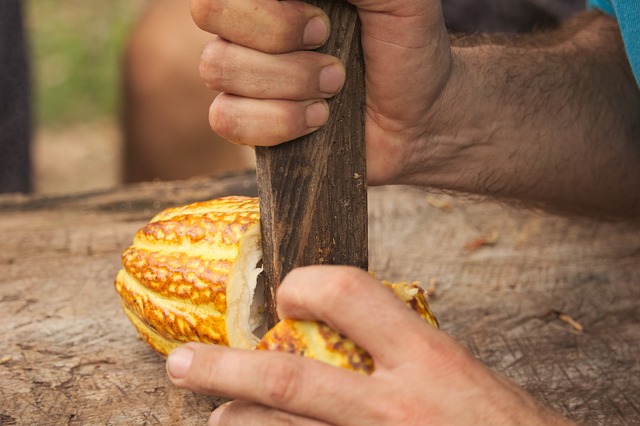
(603, 5)
(627, 12)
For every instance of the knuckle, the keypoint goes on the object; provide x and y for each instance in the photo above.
(244, 413)
(397, 409)
(452, 358)
(281, 379)
(212, 63)
(401, 414)
(281, 30)
(283, 121)
(274, 27)
(339, 283)
(246, 121)
(303, 75)
(200, 12)
(344, 284)
(221, 122)
(281, 40)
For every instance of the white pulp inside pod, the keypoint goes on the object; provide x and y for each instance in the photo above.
(246, 305)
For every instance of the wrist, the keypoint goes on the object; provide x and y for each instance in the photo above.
(501, 408)
(450, 142)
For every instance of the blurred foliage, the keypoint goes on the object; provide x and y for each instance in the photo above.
(76, 49)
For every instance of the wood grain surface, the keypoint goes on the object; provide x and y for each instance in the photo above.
(507, 282)
(313, 191)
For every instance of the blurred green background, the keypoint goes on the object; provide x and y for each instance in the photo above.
(76, 49)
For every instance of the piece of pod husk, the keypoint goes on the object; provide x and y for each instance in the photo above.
(191, 274)
(316, 340)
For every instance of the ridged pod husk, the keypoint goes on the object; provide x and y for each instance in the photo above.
(192, 274)
(316, 340)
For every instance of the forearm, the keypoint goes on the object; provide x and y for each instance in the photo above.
(550, 119)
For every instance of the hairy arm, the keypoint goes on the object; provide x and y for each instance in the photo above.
(550, 119)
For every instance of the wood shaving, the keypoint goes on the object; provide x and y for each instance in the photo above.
(569, 320)
(5, 359)
(440, 203)
(488, 239)
(431, 290)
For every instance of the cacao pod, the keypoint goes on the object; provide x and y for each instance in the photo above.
(316, 340)
(193, 274)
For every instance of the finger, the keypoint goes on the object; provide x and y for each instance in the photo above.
(231, 68)
(275, 379)
(259, 122)
(354, 303)
(266, 25)
(241, 413)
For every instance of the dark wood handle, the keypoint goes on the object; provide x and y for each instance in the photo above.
(313, 192)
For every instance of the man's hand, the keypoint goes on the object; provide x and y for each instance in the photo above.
(422, 376)
(547, 119)
(275, 89)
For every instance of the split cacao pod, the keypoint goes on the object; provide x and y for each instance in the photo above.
(193, 274)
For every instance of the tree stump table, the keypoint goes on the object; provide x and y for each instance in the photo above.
(551, 302)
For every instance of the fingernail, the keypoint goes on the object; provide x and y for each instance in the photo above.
(331, 78)
(215, 417)
(179, 362)
(317, 114)
(316, 32)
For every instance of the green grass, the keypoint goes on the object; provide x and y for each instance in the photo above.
(76, 49)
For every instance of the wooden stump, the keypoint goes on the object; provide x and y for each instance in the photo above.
(69, 355)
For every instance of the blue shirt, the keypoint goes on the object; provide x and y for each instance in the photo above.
(627, 12)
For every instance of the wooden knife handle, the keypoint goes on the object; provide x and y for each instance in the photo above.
(313, 192)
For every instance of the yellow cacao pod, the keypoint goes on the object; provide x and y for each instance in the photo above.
(192, 274)
(316, 340)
